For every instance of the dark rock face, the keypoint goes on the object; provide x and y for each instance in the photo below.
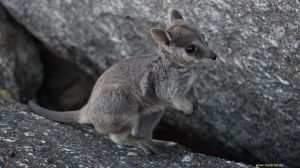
(249, 97)
(20, 69)
(27, 140)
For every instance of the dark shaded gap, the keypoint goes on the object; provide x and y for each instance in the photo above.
(207, 146)
(65, 86)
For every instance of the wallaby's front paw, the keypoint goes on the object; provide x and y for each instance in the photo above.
(183, 104)
(188, 109)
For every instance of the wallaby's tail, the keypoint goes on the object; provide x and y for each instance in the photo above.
(66, 117)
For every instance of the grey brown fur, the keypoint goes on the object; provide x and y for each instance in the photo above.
(128, 99)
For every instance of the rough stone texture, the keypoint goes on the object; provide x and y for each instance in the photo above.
(250, 98)
(27, 140)
(20, 69)
(87, 32)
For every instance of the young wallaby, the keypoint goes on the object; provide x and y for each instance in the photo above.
(129, 98)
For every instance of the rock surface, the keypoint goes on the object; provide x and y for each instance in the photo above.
(27, 140)
(21, 71)
(249, 98)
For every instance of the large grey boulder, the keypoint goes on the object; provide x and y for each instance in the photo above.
(27, 140)
(249, 99)
(20, 68)
(90, 33)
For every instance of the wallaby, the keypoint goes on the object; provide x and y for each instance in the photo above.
(129, 98)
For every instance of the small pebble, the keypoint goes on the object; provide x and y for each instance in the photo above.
(131, 154)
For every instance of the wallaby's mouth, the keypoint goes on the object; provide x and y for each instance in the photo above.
(199, 61)
(210, 56)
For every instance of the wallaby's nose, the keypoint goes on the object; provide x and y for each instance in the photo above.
(213, 56)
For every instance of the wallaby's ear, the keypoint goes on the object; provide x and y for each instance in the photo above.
(173, 14)
(161, 36)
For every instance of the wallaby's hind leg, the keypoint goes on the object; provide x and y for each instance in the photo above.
(147, 145)
(120, 119)
(146, 124)
(144, 130)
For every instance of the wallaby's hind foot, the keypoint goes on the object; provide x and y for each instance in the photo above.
(147, 145)
(156, 146)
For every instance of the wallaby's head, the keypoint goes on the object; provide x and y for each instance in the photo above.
(183, 41)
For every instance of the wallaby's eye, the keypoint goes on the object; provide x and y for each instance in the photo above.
(190, 49)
